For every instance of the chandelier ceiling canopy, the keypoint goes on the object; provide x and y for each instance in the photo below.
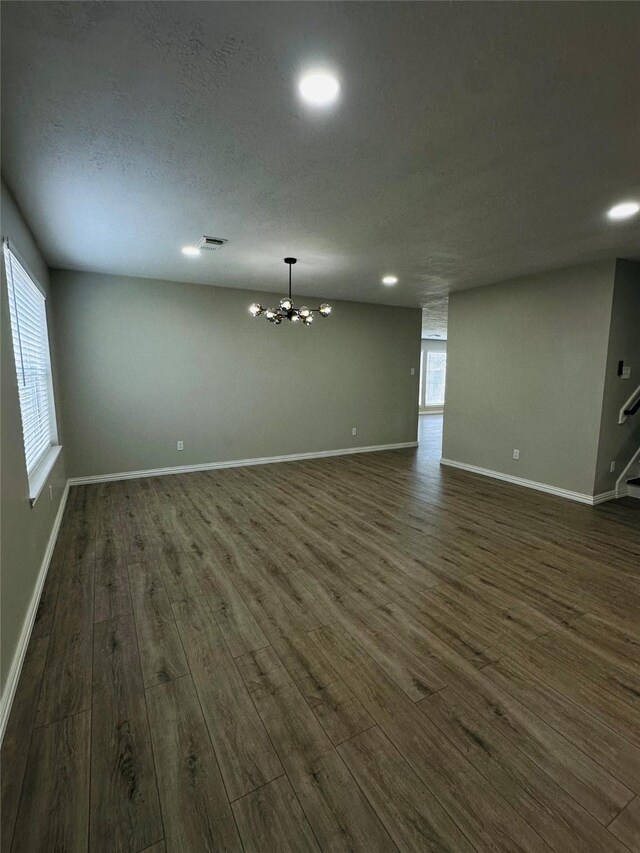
(287, 310)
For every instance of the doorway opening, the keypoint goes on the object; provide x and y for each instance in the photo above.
(433, 374)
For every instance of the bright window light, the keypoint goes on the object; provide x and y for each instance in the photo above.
(30, 337)
(432, 378)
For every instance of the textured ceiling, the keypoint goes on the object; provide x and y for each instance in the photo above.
(473, 141)
(435, 314)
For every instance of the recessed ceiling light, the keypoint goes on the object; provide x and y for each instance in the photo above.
(319, 88)
(624, 210)
(190, 250)
(390, 279)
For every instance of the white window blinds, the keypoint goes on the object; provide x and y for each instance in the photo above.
(33, 364)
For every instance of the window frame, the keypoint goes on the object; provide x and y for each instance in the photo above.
(40, 472)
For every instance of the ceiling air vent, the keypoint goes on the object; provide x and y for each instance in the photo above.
(210, 243)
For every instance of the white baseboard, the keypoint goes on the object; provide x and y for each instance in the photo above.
(605, 496)
(6, 700)
(235, 463)
(579, 497)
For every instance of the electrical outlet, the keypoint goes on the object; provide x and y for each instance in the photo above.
(180, 445)
(612, 466)
(413, 371)
(516, 454)
(626, 373)
(354, 431)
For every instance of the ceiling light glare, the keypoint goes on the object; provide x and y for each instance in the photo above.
(390, 279)
(624, 210)
(319, 88)
(192, 251)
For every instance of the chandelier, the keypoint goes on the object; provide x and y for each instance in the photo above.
(287, 310)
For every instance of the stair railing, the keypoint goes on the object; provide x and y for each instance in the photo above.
(631, 406)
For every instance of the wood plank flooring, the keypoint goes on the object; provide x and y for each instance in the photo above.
(366, 653)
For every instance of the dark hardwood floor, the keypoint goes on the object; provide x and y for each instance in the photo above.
(364, 653)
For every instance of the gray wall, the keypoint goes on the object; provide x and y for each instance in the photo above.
(526, 369)
(145, 363)
(25, 529)
(618, 442)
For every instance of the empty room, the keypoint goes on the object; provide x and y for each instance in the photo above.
(320, 427)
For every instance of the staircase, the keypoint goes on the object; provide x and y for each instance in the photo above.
(629, 482)
(633, 487)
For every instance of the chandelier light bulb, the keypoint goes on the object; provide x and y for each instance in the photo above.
(255, 309)
(325, 309)
(305, 312)
(286, 304)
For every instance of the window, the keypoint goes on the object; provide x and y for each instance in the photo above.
(433, 371)
(33, 368)
(436, 371)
